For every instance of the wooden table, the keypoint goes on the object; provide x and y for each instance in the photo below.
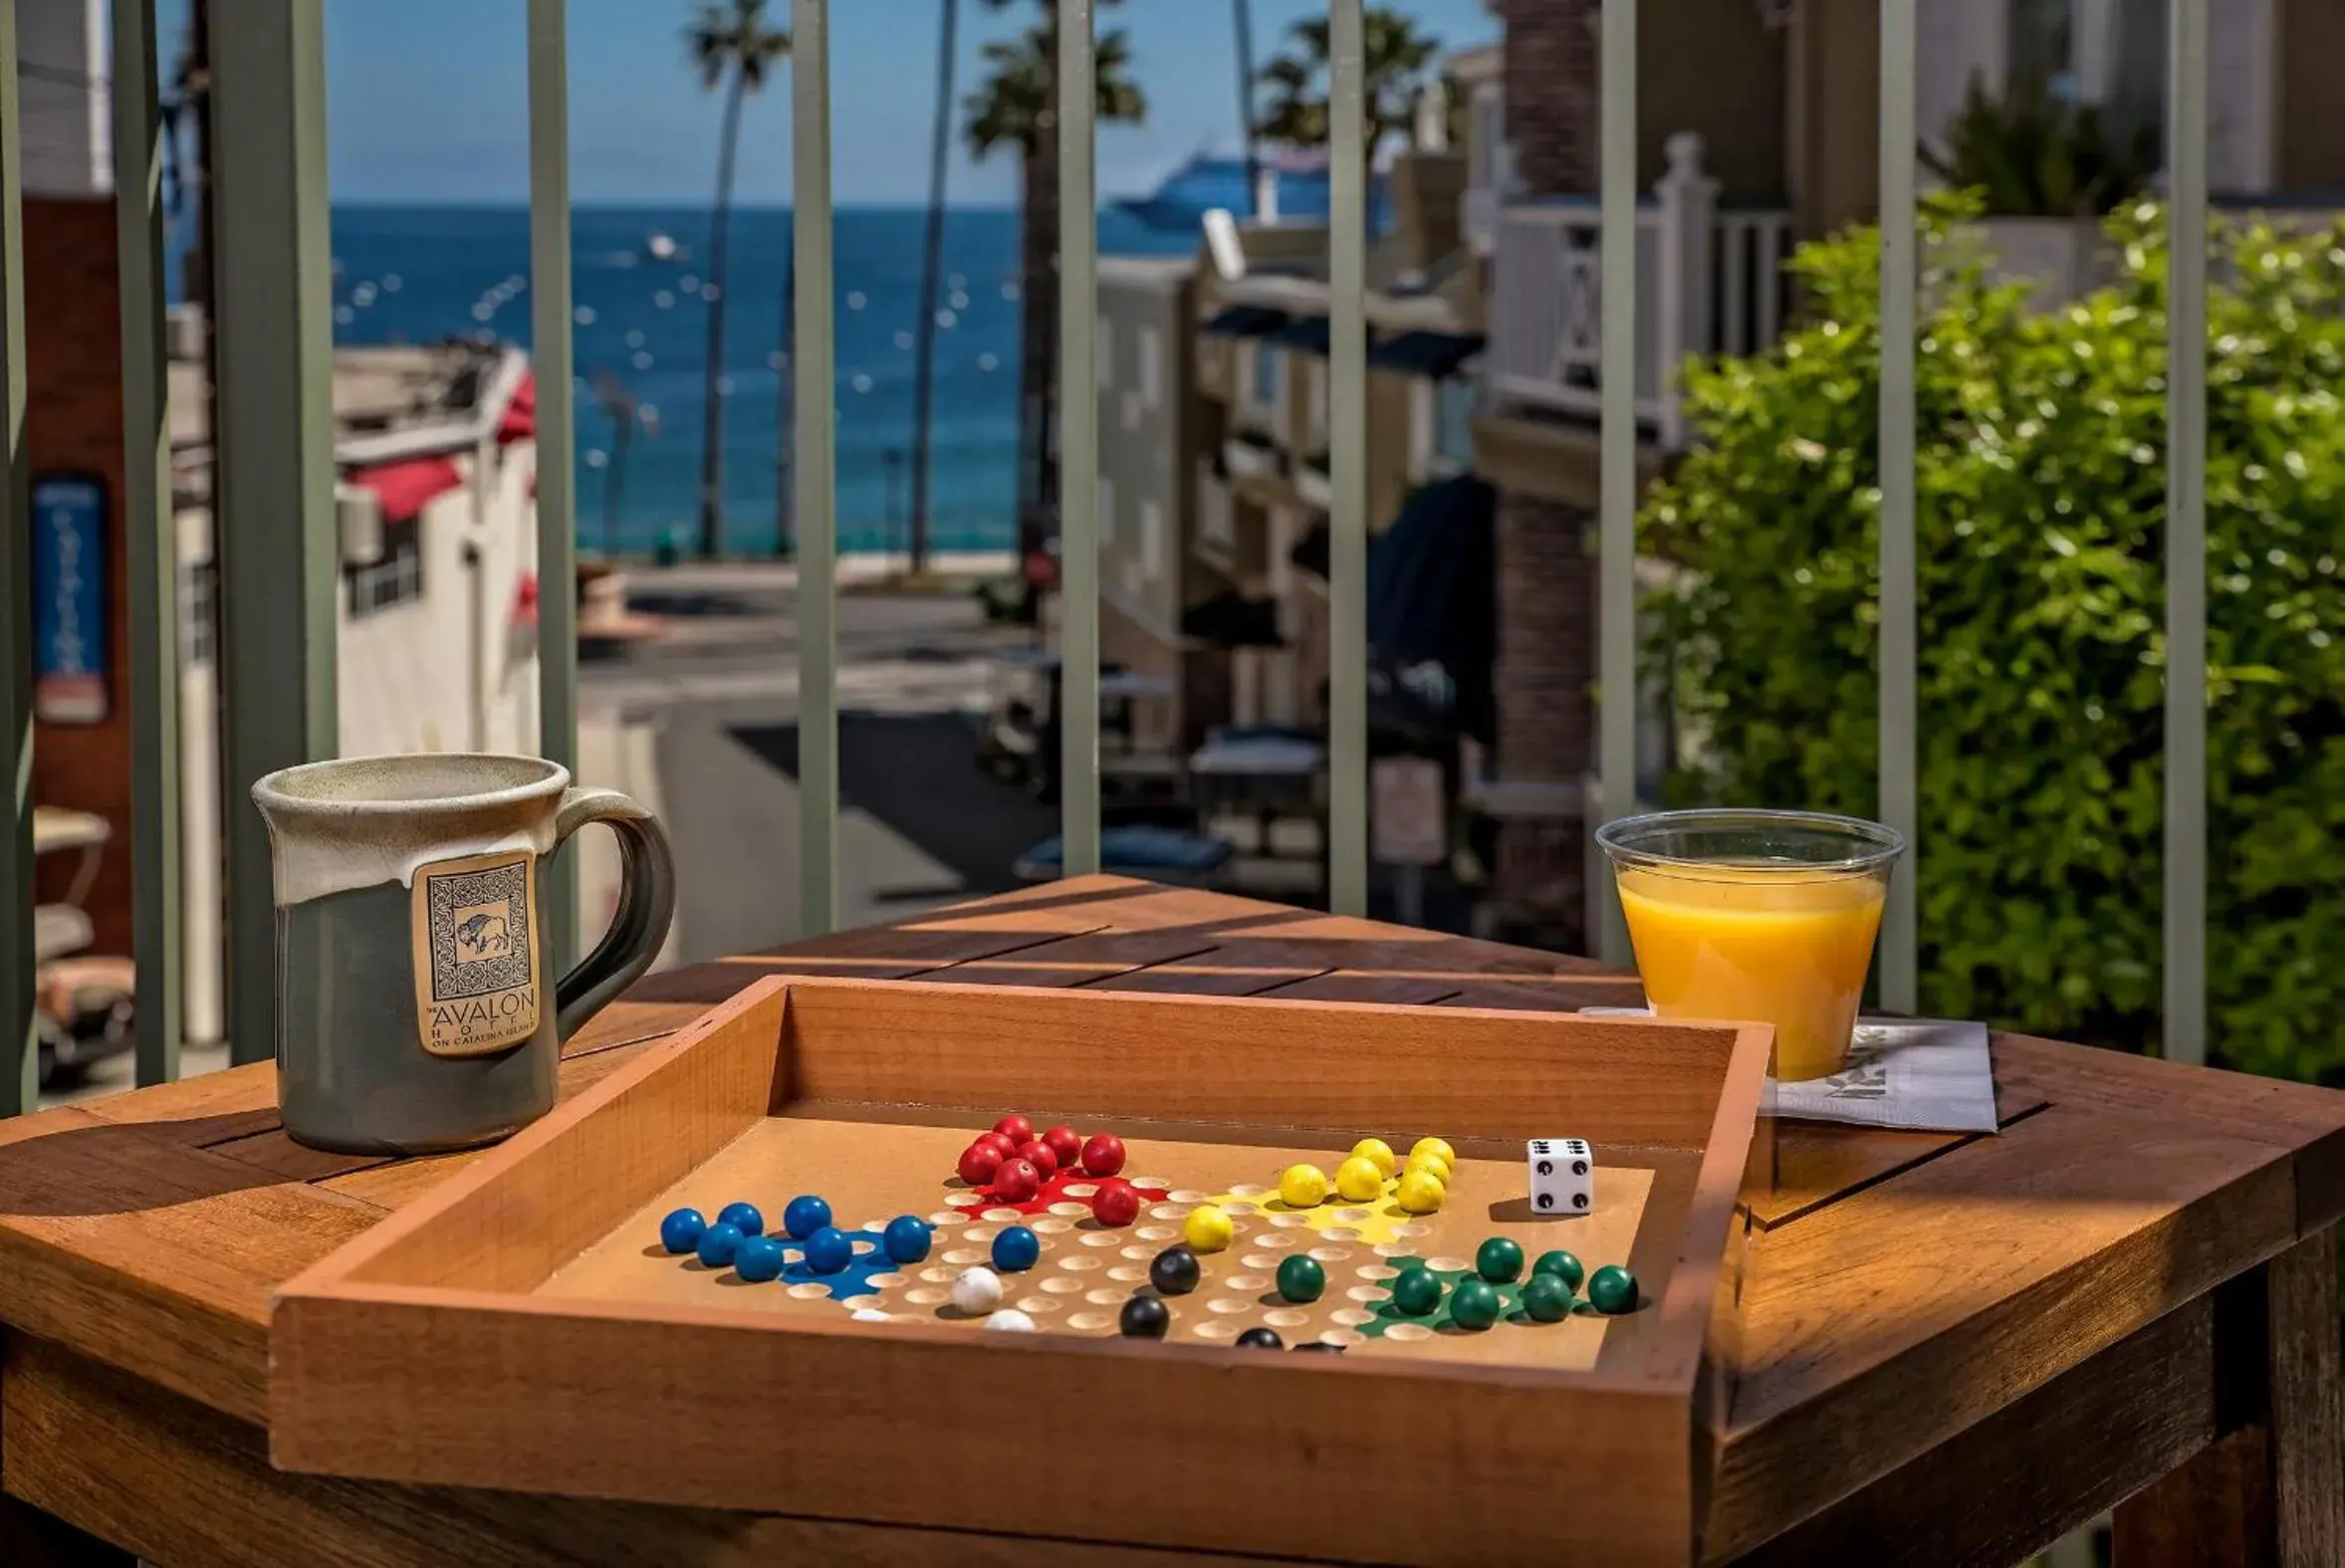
(1956, 1348)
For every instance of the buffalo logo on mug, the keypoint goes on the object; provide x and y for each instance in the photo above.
(475, 975)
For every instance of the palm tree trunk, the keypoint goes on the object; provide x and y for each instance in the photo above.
(931, 263)
(1244, 23)
(785, 406)
(711, 428)
(1038, 340)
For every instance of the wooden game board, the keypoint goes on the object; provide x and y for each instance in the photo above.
(872, 1169)
(521, 1329)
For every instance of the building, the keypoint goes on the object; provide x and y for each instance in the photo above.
(1152, 461)
(1756, 125)
(436, 508)
(1261, 347)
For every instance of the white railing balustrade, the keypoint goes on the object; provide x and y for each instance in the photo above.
(1714, 280)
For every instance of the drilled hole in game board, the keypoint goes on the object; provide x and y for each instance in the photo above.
(1147, 1181)
(1286, 1317)
(1003, 1216)
(1079, 1190)
(1353, 1216)
(1225, 1306)
(1138, 1253)
(1367, 1292)
(963, 1200)
(1060, 1285)
(808, 1293)
(1215, 1328)
(1288, 1221)
(864, 1303)
(947, 1216)
(1342, 1336)
(1077, 1263)
(977, 1233)
(1341, 1233)
(939, 1276)
(1408, 1332)
(1090, 1321)
(1248, 1190)
(1179, 1196)
(1331, 1255)
(1259, 1260)
(1037, 1305)
(1168, 1211)
(1127, 1273)
(1377, 1272)
(1071, 1211)
(1156, 1232)
(1246, 1282)
(966, 1255)
(1103, 1297)
(1238, 1211)
(1412, 1227)
(1353, 1316)
(1048, 1227)
(1450, 1264)
(1276, 1241)
(927, 1295)
(1101, 1239)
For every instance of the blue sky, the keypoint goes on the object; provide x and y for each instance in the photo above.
(426, 99)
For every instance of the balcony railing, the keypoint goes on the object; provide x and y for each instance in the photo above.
(1715, 278)
(1594, 309)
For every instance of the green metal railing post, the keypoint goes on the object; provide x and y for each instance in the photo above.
(1900, 641)
(557, 532)
(272, 492)
(1078, 445)
(2185, 541)
(1616, 436)
(814, 470)
(20, 1075)
(1347, 462)
(152, 545)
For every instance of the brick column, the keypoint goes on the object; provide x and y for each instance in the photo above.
(1550, 85)
(1547, 667)
(1547, 573)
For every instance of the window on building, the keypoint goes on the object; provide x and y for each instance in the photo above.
(1151, 368)
(395, 579)
(2107, 53)
(1453, 425)
(1266, 378)
(1152, 539)
(199, 586)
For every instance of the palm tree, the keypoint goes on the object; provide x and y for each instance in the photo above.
(732, 48)
(1015, 106)
(931, 263)
(1398, 60)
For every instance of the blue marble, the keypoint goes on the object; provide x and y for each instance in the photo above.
(742, 1218)
(1017, 1249)
(906, 1238)
(680, 1231)
(804, 1215)
(718, 1243)
(759, 1259)
(828, 1252)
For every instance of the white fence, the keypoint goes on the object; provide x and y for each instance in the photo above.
(1714, 280)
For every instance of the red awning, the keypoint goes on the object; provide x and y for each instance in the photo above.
(406, 489)
(519, 421)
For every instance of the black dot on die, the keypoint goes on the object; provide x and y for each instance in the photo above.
(1546, 1199)
(1579, 1200)
(1547, 1167)
(1580, 1168)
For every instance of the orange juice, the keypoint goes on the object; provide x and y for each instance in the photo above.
(1750, 943)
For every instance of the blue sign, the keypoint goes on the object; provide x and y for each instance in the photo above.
(69, 599)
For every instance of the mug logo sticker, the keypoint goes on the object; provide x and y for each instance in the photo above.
(475, 977)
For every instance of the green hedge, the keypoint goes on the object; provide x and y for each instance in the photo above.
(2042, 499)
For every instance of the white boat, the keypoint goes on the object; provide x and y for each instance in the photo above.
(661, 247)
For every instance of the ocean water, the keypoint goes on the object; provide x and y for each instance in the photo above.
(415, 274)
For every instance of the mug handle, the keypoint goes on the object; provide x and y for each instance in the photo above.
(646, 904)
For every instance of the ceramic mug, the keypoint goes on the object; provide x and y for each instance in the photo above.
(412, 1012)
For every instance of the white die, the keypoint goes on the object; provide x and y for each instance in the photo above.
(1563, 1176)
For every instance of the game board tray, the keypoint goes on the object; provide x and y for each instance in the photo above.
(521, 1327)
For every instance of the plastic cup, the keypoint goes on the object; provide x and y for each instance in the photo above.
(1756, 916)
